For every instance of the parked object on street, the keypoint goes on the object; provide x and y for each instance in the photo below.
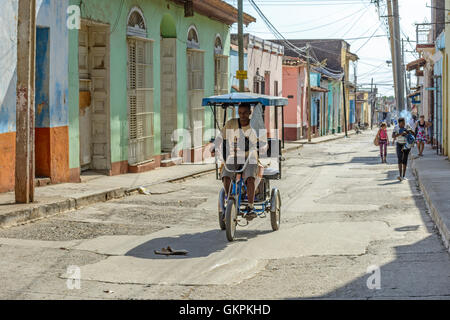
(235, 204)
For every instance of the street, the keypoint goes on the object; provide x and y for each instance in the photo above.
(344, 214)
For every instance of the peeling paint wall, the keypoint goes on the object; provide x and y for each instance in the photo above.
(50, 14)
(8, 58)
(51, 108)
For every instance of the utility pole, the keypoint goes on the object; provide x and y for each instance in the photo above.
(400, 88)
(407, 88)
(241, 42)
(391, 38)
(356, 94)
(308, 68)
(372, 109)
(345, 106)
(26, 52)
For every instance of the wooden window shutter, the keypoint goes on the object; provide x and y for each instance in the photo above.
(140, 101)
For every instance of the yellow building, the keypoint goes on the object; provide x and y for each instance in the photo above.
(350, 98)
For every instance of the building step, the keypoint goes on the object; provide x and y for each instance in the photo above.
(40, 182)
(166, 156)
(171, 162)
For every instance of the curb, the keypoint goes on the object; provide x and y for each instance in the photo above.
(434, 212)
(286, 150)
(23, 216)
(327, 140)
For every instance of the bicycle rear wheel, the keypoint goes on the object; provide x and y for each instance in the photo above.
(275, 209)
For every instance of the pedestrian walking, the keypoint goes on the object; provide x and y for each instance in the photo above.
(383, 141)
(421, 134)
(413, 122)
(402, 134)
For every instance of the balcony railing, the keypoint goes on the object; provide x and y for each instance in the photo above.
(424, 34)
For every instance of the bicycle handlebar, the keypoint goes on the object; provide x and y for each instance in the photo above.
(237, 171)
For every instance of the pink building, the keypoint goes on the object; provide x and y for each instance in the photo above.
(295, 89)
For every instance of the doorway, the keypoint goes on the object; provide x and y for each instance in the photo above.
(169, 112)
(94, 99)
(42, 99)
(168, 93)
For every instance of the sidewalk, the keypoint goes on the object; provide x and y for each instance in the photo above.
(55, 199)
(433, 175)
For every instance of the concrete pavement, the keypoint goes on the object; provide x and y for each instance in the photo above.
(433, 175)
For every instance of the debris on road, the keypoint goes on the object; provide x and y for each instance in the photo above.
(170, 252)
(143, 190)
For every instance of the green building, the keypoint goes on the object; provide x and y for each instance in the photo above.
(138, 70)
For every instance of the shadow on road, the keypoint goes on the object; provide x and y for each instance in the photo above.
(198, 245)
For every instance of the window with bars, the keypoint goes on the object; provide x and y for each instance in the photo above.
(140, 100)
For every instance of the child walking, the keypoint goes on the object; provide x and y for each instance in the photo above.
(384, 141)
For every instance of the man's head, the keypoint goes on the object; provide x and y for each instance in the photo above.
(245, 111)
(414, 117)
(401, 122)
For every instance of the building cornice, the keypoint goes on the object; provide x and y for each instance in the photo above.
(218, 10)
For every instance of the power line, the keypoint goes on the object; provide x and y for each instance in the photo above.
(376, 30)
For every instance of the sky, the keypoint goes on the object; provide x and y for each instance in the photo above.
(344, 19)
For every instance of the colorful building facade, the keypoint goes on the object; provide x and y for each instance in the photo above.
(120, 92)
(51, 92)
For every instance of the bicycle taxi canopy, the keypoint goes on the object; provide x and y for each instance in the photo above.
(237, 98)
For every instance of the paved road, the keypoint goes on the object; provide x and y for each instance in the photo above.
(343, 213)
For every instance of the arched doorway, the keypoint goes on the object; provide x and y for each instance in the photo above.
(140, 90)
(169, 112)
(94, 99)
(196, 87)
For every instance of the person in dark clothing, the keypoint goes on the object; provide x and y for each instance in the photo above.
(400, 134)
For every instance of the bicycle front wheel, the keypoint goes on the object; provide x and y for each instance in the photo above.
(231, 219)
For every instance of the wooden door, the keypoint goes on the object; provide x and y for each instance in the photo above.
(85, 98)
(169, 112)
(196, 87)
(99, 70)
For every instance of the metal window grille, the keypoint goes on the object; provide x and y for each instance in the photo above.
(220, 82)
(140, 101)
(196, 90)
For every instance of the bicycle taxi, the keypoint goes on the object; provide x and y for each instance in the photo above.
(232, 204)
